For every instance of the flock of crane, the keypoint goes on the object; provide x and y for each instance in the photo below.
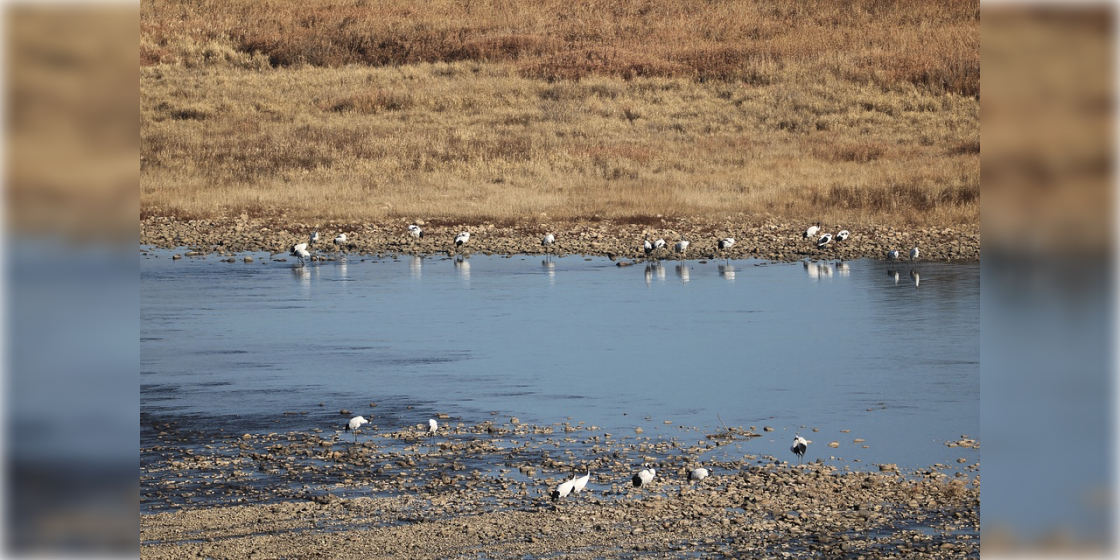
(652, 248)
(577, 483)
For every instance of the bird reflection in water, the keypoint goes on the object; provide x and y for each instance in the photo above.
(682, 272)
(464, 267)
(415, 267)
(727, 271)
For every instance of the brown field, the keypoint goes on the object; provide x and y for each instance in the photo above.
(861, 112)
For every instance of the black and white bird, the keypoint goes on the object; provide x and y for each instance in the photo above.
(644, 476)
(725, 243)
(462, 238)
(355, 423)
(647, 246)
(812, 231)
(824, 240)
(581, 482)
(314, 237)
(698, 474)
(563, 489)
(340, 240)
(892, 254)
(843, 235)
(299, 251)
(415, 231)
(799, 446)
(914, 253)
(681, 245)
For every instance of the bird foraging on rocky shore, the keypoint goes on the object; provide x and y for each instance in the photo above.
(563, 490)
(914, 253)
(824, 240)
(698, 474)
(644, 476)
(355, 423)
(415, 231)
(892, 254)
(843, 235)
(581, 482)
(462, 238)
(799, 446)
(812, 231)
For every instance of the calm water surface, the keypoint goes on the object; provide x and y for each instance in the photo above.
(232, 346)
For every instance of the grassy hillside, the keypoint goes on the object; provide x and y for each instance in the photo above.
(856, 111)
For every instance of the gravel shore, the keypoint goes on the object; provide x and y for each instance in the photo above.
(482, 490)
(779, 241)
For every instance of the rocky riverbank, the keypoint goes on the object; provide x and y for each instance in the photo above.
(483, 490)
(773, 240)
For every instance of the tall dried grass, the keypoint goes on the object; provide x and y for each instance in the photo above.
(487, 110)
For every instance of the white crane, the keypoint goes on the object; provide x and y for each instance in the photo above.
(647, 246)
(462, 238)
(547, 240)
(355, 423)
(563, 489)
(843, 235)
(432, 426)
(340, 240)
(698, 474)
(314, 237)
(812, 231)
(415, 231)
(725, 243)
(299, 251)
(581, 482)
(799, 446)
(892, 254)
(824, 240)
(914, 253)
(644, 476)
(681, 245)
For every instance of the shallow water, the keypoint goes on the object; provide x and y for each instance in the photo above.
(232, 346)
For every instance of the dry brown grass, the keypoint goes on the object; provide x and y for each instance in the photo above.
(857, 111)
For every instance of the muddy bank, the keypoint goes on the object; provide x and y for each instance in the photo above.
(774, 240)
(483, 489)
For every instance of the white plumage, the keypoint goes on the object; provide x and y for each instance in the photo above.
(563, 490)
(548, 240)
(726, 243)
(299, 251)
(812, 231)
(843, 235)
(659, 244)
(644, 476)
(699, 474)
(681, 246)
(824, 240)
(355, 423)
(462, 238)
(581, 482)
(914, 253)
(892, 254)
(314, 237)
(340, 240)
(432, 425)
(647, 246)
(799, 446)
(415, 231)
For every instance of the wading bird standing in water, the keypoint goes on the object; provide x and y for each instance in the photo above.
(462, 238)
(799, 446)
(725, 244)
(681, 246)
(299, 251)
(698, 474)
(581, 482)
(892, 254)
(355, 423)
(914, 253)
(547, 241)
